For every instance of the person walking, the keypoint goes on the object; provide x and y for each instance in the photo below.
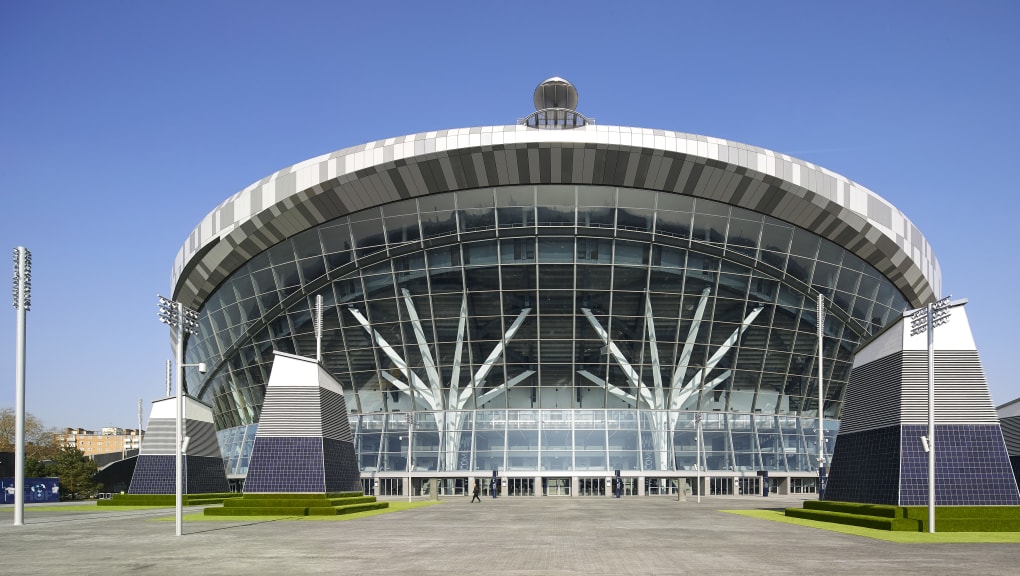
(475, 493)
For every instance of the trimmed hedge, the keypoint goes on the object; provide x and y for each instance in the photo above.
(297, 504)
(864, 521)
(912, 518)
(267, 511)
(298, 495)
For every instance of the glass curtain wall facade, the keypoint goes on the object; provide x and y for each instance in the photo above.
(564, 328)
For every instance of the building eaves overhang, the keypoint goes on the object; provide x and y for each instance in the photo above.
(333, 185)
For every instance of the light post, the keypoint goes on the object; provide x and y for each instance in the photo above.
(820, 313)
(926, 319)
(697, 466)
(181, 320)
(697, 425)
(22, 293)
(410, 446)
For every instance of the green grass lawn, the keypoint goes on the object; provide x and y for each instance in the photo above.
(889, 536)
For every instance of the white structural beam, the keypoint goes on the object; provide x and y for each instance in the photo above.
(628, 370)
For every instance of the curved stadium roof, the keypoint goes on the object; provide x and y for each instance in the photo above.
(352, 179)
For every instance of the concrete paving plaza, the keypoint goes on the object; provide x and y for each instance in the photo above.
(507, 536)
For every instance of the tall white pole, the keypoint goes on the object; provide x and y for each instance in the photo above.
(410, 448)
(318, 328)
(697, 467)
(698, 417)
(821, 390)
(931, 418)
(22, 285)
(179, 503)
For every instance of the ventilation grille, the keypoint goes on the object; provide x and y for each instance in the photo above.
(872, 397)
(961, 393)
(290, 411)
(335, 423)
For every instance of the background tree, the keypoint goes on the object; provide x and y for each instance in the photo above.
(77, 474)
(39, 441)
(35, 468)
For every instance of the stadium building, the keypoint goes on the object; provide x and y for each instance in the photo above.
(554, 300)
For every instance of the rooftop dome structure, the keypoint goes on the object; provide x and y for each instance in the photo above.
(556, 107)
(555, 93)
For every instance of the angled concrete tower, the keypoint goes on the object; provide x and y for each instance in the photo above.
(155, 471)
(304, 441)
(879, 457)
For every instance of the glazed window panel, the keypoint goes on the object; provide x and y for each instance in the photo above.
(507, 196)
(555, 276)
(552, 215)
(710, 229)
(306, 244)
(516, 216)
(596, 217)
(368, 236)
(336, 238)
(596, 196)
(593, 278)
(243, 286)
(742, 236)
(437, 224)
(287, 277)
(636, 198)
(281, 253)
(800, 268)
(669, 281)
(733, 285)
(481, 254)
(556, 250)
(472, 219)
(517, 251)
(477, 198)
(402, 229)
(824, 276)
(311, 268)
(338, 259)
(664, 307)
(484, 281)
(635, 219)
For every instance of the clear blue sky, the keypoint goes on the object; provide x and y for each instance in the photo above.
(123, 123)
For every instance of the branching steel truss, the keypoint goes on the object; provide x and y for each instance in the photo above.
(449, 409)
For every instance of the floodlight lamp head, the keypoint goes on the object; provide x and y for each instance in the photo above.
(201, 368)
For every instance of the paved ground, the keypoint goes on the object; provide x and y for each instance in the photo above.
(507, 536)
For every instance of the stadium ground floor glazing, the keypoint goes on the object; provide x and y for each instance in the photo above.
(573, 452)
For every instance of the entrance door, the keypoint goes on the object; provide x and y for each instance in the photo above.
(591, 486)
(557, 486)
(520, 487)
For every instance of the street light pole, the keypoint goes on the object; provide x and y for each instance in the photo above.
(697, 422)
(410, 447)
(821, 393)
(22, 293)
(697, 467)
(926, 319)
(182, 320)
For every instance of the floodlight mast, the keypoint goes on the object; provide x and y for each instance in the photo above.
(181, 320)
(820, 313)
(22, 293)
(925, 320)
